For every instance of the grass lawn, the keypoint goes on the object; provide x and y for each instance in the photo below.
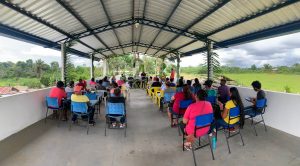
(270, 81)
(29, 82)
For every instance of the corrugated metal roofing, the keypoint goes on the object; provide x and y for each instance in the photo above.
(114, 26)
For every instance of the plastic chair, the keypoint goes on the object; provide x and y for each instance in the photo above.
(94, 96)
(234, 113)
(212, 99)
(52, 104)
(259, 110)
(183, 105)
(202, 121)
(115, 110)
(80, 109)
(166, 96)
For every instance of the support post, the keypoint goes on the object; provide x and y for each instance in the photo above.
(63, 62)
(178, 67)
(105, 67)
(92, 66)
(209, 60)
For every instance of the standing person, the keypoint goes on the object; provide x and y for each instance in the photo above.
(60, 94)
(223, 91)
(201, 107)
(260, 95)
(78, 97)
(143, 76)
(172, 76)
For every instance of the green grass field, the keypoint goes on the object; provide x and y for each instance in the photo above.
(29, 82)
(270, 81)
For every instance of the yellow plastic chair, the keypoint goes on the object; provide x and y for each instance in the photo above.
(152, 93)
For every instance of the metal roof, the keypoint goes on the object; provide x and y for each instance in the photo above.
(153, 27)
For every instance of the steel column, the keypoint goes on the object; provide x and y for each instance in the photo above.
(209, 61)
(178, 67)
(92, 66)
(63, 62)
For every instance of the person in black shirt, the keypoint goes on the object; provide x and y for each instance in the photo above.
(260, 95)
(156, 83)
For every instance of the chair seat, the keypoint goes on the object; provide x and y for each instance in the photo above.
(253, 114)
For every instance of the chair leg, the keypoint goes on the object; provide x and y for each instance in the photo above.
(193, 151)
(263, 120)
(254, 129)
(46, 115)
(241, 137)
(211, 150)
(88, 126)
(178, 128)
(227, 141)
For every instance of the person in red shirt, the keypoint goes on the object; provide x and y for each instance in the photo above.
(201, 107)
(186, 94)
(82, 83)
(172, 76)
(59, 93)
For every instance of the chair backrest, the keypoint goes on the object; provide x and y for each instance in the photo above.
(91, 96)
(52, 102)
(234, 113)
(261, 104)
(156, 89)
(185, 103)
(196, 89)
(204, 120)
(211, 99)
(79, 107)
(168, 96)
(69, 94)
(105, 84)
(115, 109)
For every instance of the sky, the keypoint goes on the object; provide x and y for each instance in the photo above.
(284, 50)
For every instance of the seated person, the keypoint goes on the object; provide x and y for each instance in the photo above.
(123, 77)
(59, 93)
(120, 82)
(78, 97)
(163, 86)
(156, 82)
(223, 91)
(70, 87)
(235, 101)
(81, 84)
(201, 107)
(186, 94)
(172, 84)
(113, 79)
(189, 84)
(117, 99)
(114, 86)
(208, 88)
(100, 86)
(105, 82)
(179, 85)
(130, 81)
(92, 82)
(197, 84)
(260, 95)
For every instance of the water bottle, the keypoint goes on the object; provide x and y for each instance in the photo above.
(213, 140)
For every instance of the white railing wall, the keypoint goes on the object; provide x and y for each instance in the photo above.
(20, 111)
(283, 111)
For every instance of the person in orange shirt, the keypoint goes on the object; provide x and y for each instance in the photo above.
(59, 93)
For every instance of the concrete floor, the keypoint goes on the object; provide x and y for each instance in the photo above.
(150, 141)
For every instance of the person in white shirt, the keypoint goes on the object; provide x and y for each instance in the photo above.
(70, 87)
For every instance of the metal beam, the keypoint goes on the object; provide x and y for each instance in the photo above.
(199, 19)
(39, 20)
(255, 15)
(288, 28)
(166, 22)
(141, 21)
(26, 37)
(77, 17)
(178, 48)
(132, 26)
(139, 44)
(142, 27)
(109, 22)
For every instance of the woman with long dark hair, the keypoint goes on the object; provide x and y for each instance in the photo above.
(186, 94)
(196, 85)
(235, 101)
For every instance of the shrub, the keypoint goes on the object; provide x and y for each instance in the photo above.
(287, 89)
(45, 80)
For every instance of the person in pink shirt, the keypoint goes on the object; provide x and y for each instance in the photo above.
(201, 107)
(186, 94)
(120, 82)
(59, 93)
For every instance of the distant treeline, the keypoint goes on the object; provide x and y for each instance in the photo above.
(201, 69)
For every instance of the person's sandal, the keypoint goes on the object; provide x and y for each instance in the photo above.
(187, 147)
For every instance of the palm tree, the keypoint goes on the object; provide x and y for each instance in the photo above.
(39, 64)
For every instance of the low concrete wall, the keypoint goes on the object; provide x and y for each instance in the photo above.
(282, 112)
(21, 110)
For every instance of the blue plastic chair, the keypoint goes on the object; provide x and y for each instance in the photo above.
(80, 109)
(202, 121)
(259, 110)
(211, 99)
(115, 110)
(234, 113)
(52, 104)
(92, 96)
(105, 84)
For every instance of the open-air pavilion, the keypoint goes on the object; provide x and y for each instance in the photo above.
(169, 29)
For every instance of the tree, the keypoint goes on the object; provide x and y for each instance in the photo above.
(39, 64)
(267, 67)
(253, 67)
